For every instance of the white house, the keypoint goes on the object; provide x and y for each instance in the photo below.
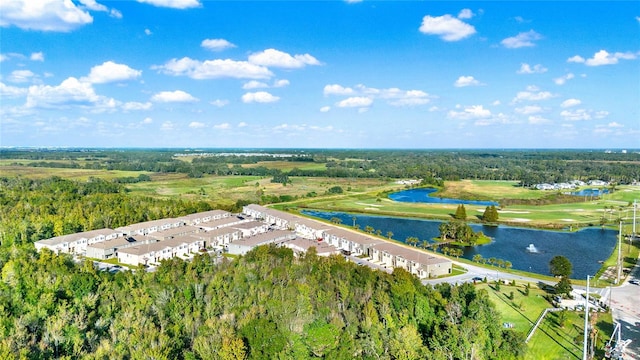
(219, 236)
(204, 217)
(108, 249)
(350, 242)
(416, 262)
(149, 227)
(76, 243)
(174, 232)
(153, 253)
(244, 245)
(251, 228)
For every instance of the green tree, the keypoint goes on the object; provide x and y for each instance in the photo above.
(490, 214)
(461, 213)
(389, 235)
(560, 266)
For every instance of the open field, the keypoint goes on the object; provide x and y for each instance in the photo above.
(287, 165)
(72, 174)
(550, 341)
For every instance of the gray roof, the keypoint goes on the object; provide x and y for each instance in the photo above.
(147, 224)
(353, 236)
(414, 255)
(264, 238)
(200, 215)
(77, 236)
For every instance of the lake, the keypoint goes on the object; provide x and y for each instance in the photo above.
(423, 195)
(584, 248)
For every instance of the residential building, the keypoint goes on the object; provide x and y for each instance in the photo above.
(244, 245)
(76, 243)
(109, 249)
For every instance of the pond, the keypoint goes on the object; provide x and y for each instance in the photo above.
(423, 195)
(585, 248)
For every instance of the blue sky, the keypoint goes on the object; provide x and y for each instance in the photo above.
(327, 74)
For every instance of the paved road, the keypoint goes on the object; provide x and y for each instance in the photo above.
(625, 306)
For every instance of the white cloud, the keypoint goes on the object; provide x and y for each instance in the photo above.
(216, 44)
(21, 76)
(70, 92)
(37, 56)
(447, 27)
(281, 83)
(466, 81)
(148, 32)
(196, 125)
(133, 105)
(219, 103)
(336, 89)
(213, 69)
(176, 4)
(470, 112)
(173, 96)
(465, 14)
(576, 115)
(223, 126)
(147, 120)
(11, 91)
(254, 84)
(532, 96)
(563, 79)
(115, 14)
(638, 18)
(111, 72)
(529, 109)
(166, 126)
(524, 39)
(405, 98)
(259, 97)
(325, 109)
(576, 59)
(353, 1)
(356, 101)
(242, 124)
(44, 15)
(496, 103)
(528, 69)
(570, 102)
(277, 58)
(603, 57)
(537, 119)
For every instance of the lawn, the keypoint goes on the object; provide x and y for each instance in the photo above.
(551, 340)
(72, 174)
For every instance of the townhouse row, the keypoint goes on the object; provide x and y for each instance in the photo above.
(376, 250)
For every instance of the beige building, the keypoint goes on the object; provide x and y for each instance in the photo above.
(76, 243)
(421, 264)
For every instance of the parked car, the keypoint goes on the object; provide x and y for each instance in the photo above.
(635, 282)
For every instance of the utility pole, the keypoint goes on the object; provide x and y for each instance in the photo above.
(586, 322)
(619, 254)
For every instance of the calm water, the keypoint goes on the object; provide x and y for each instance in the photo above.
(423, 195)
(583, 248)
(590, 192)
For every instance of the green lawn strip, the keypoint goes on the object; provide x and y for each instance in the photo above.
(629, 252)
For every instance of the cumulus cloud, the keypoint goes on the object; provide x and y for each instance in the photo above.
(173, 96)
(219, 103)
(537, 120)
(216, 44)
(196, 125)
(335, 89)
(355, 101)
(325, 109)
(167, 126)
(259, 97)
(570, 102)
(44, 15)
(465, 14)
(563, 79)
(111, 72)
(470, 112)
(524, 39)
(529, 109)
(213, 69)
(147, 120)
(281, 83)
(446, 27)
(528, 69)
(277, 58)
(532, 96)
(242, 124)
(583, 114)
(148, 32)
(603, 57)
(466, 81)
(223, 126)
(133, 105)
(37, 56)
(576, 59)
(71, 92)
(21, 76)
(254, 84)
(175, 4)
(11, 91)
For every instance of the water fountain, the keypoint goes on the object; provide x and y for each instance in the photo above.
(532, 249)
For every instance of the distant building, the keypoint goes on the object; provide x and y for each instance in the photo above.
(76, 243)
(244, 245)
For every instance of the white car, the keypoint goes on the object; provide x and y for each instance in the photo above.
(634, 282)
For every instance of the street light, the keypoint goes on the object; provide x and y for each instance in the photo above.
(586, 322)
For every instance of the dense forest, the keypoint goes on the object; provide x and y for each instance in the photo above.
(265, 305)
(527, 166)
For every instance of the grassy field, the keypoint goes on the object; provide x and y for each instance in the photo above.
(551, 340)
(72, 174)
(287, 165)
